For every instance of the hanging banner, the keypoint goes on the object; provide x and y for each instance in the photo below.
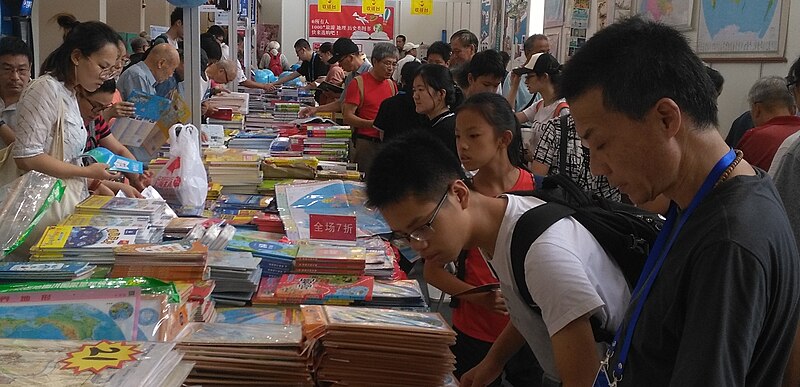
(373, 7)
(422, 7)
(351, 23)
(330, 6)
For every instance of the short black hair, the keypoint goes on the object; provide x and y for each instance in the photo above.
(794, 72)
(401, 36)
(302, 43)
(414, 164)
(407, 75)
(465, 37)
(211, 46)
(441, 48)
(175, 16)
(716, 78)
(326, 47)
(487, 62)
(438, 78)
(12, 45)
(216, 30)
(496, 111)
(635, 63)
(506, 58)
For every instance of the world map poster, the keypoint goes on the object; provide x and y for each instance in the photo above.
(742, 28)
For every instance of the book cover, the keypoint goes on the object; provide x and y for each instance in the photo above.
(331, 253)
(77, 237)
(324, 287)
(106, 221)
(259, 316)
(90, 314)
(114, 162)
(97, 203)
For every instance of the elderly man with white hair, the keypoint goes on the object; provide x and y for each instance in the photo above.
(274, 51)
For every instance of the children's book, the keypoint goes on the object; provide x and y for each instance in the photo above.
(114, 162)
(96, 204)
(70, 238)
(106, 220)
(307, 287)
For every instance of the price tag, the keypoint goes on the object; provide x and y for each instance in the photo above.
(330, 6)
(97, 357)
(422, 7)
(332, 227)
(373, 7)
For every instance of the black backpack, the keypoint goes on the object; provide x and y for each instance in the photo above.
(625, 231)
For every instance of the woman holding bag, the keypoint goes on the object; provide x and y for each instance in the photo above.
(50, 131)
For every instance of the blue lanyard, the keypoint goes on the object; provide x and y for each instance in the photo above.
(658, 254)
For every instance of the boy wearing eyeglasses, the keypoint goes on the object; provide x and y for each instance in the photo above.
(417, 185)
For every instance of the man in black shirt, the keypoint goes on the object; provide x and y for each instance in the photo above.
(312, 68)
(718, 302)
(398, 114)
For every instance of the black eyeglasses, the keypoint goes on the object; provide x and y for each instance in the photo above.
(425, 232)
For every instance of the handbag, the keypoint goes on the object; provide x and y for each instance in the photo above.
(74, 191)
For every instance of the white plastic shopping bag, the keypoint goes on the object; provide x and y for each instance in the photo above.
(183, 182)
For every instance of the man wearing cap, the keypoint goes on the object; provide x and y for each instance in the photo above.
(533, 45)
(411, 56)
(363, 98)
(313, 66)
(347, 54)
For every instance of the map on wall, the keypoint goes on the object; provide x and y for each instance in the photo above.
(676, 13)
(742, 28)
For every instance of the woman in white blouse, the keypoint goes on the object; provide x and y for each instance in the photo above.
(87, 57)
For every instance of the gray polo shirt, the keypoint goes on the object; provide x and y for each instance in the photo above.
(136, 77)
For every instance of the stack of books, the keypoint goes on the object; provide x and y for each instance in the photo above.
(259, 140)
(234, 203)
(269, 223)
(245, 354)
(338, 170)
(362, 346)
(167, 262)
(327, 143)
(236, 274)
(107, 205)
(214, 190)
(238, 103)
(328, 259)
(12, 272)
(178, 228)
(314, 289)
(235, 122)
(277, 258)
(396, 294)
(236, 170)
(70, 363)
(257, 119)
(82, 244)
(380, 257)
(285, 111)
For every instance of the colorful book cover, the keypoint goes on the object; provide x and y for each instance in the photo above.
(106, 220)
(324, 287)
(21, 269)
(331, 253)
(262, 247)
(233, 260)
(259, 316)
(53, 362)
(381, 319)
(96, 203)
(147, 106)
(195, 248)
(76, 237)
(115, 162)
(251, 201)
(266, 291)
(91, 314)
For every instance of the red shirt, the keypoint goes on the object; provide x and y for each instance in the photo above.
(760, 143)
(474, 320)
(374, 93)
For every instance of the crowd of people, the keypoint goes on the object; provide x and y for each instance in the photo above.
(631, 117)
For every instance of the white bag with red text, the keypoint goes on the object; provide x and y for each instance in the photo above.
(183, 181)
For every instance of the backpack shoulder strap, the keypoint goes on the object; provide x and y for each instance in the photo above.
(393, 87)
(561, 106)
(360, 83)
(529, 227)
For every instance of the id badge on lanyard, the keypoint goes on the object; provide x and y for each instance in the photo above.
(610, 376)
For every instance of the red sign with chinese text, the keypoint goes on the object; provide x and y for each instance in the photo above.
(351, 23)
(332, 227)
